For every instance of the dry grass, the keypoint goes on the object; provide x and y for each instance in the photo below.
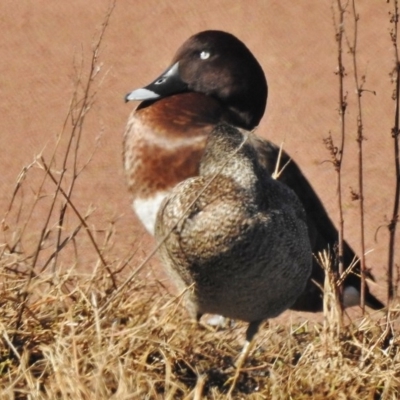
(142, 346)
(66, 334)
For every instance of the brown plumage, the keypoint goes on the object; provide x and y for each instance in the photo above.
(178, 143)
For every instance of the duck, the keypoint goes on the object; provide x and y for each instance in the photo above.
(215, 79)
(233, 239)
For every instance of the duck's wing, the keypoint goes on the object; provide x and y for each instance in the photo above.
(322, 232)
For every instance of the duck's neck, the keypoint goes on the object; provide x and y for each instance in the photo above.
(229, 153)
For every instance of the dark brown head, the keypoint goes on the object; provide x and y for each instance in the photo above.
(217, 64)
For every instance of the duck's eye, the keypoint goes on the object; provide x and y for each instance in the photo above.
(161, 80)
(204, 55)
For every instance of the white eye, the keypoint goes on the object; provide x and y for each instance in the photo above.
(160, 81)
(204, 55)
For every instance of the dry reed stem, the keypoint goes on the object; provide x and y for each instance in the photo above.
(342, 106)
(360, 138)
(392, 226)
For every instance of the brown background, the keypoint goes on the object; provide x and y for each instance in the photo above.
(295, 44)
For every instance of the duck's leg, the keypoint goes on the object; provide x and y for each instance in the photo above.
(198, 316)
(252, 329)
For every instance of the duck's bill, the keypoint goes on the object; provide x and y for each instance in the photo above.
(141, 94)
(168, 83)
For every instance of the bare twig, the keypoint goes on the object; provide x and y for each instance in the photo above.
(336, 152)
(83, 222)
(395, 134)
(80, 108)
(360, 195)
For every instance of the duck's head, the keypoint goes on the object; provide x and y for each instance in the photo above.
(216, 64)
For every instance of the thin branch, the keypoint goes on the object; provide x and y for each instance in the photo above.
(74, 137)
(337, 151)
(360, 195)
(83, 222)
(395, 135)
